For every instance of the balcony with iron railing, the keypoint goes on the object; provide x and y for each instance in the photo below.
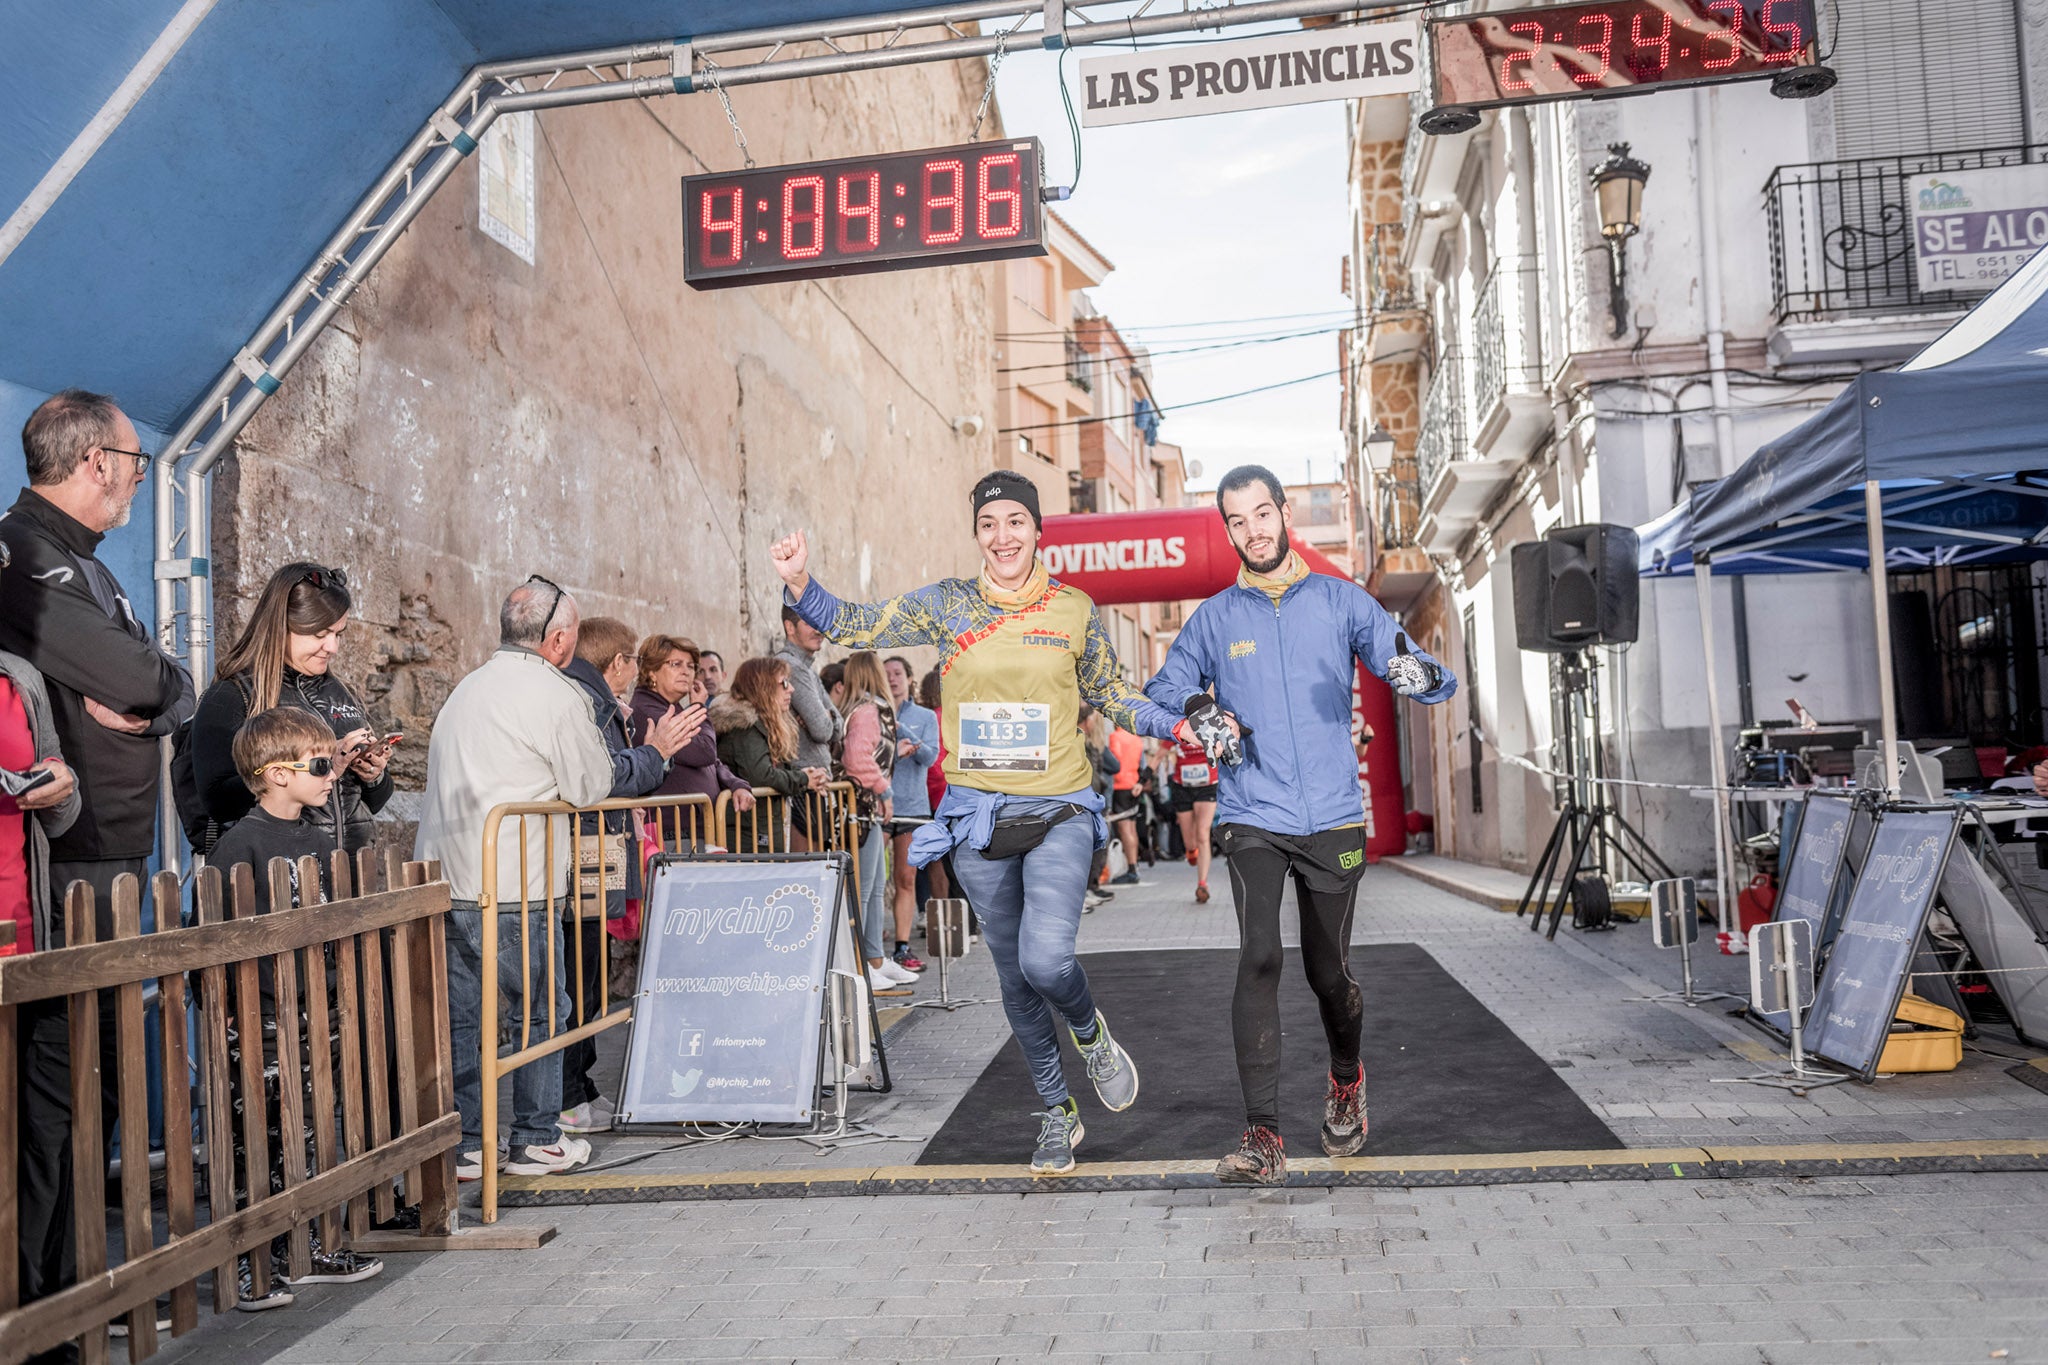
(1400, 509)
(1841, 235)
(1442, 438)
(1080, 365)
(1511, 410)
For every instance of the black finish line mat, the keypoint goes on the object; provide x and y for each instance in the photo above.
(1444, 1075)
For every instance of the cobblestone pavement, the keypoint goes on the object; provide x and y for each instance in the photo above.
(1931, 1268)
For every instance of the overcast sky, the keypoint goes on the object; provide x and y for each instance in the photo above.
(1210, 221)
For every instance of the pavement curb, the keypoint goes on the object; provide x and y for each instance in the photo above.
(1517, 1168)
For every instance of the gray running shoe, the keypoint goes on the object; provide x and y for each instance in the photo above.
(1344, 1117)
(1059, 1133)
(1110, 1067)
(1260, 1159)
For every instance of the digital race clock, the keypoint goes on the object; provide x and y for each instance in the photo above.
(1618, 47)
(979, 202)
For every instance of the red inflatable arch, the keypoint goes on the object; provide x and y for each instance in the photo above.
(1172, 554)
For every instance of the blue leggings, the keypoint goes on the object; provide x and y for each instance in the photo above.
(1030, 911)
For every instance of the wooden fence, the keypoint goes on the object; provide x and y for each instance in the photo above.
(380, 1088)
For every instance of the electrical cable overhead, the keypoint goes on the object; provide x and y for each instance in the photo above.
(1325, 314)
(1151, 355)
(1175, 407)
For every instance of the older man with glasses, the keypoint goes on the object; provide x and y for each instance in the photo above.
(518, 729)
(112, 693)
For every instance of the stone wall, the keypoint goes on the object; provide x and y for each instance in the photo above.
(473, 419)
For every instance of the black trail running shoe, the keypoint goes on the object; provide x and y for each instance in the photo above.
(1260, 1159)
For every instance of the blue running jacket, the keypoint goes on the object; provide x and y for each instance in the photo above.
(1286, 671)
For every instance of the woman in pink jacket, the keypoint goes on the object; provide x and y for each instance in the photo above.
(869, 761)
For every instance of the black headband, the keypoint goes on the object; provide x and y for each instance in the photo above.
(1006, 485)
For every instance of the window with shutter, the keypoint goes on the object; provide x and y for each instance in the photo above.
(1900, 94)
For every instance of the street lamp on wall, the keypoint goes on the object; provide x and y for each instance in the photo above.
(1379, 447)
(1618, 190)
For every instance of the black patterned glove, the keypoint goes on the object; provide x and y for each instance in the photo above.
(1212, 731)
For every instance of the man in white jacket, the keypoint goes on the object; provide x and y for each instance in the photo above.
(516, 730)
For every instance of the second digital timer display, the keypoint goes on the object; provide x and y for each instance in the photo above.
(1560, 51)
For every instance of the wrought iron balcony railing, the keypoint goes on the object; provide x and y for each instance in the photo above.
(1080, 365)
(1442, 438)
(1400, 512)
(1842, 232)
(1503, 348)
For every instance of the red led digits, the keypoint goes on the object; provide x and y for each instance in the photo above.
(1010, 200)
(1733, 36)
(1787, 39)
(950, 205)
(869, 212)
(1653, 48)
(711, 224)
(1602, 47)
(1533, 31)
(809, 221)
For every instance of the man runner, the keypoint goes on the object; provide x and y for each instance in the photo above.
(1264, 669)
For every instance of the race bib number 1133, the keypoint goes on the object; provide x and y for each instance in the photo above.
(1007, 737)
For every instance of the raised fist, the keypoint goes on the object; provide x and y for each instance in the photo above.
(792, 558)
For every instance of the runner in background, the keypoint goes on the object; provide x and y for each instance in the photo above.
(1280, 649)
(1019, 654)
(1123, 800)
(1194, 807)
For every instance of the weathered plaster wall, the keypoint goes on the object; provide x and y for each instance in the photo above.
(474, 419)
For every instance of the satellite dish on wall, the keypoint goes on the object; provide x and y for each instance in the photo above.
(1194, 469)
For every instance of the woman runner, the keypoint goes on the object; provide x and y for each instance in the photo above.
(1020, 651)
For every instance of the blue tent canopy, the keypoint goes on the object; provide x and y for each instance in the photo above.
(146, 232)
(1957, 438)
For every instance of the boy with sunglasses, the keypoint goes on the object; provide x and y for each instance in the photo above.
(286, 755)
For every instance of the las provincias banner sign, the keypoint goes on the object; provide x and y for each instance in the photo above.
(1252, 73)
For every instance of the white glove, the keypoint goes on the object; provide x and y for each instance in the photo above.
(1409, 674)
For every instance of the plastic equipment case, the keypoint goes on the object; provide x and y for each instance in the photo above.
(1925, 1037)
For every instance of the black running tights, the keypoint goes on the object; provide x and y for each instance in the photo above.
(1258, 876)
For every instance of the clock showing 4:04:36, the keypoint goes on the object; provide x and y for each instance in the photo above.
(1614, 47)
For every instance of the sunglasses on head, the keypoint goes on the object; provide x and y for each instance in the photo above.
(317, 767)
(554, 606)
(323, 579)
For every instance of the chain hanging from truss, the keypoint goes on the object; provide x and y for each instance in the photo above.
(988, 92)
(739, 135)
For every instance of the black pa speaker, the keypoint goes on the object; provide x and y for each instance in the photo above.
(1576, 587)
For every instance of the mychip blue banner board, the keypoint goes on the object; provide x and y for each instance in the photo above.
(1873, 951)
(727, 1019)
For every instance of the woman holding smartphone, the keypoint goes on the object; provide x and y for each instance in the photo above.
(285, 657)
(1020, 652)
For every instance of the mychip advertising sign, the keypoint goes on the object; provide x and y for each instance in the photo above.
(727, 1018)
(1974, 229)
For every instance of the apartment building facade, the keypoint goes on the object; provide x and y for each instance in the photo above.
(1079, 416)
(1504, 379)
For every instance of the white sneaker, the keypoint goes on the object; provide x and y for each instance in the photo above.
(889, 972)
(591, 1116)
(562, 1155)
(469, 1166)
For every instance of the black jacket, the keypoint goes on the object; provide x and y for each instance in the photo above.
(227, 797)
(62, 610)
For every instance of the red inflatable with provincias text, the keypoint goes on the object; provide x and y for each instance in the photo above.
(1173, 554)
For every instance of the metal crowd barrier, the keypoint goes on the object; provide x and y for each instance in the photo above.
(549, 831)
(366, 1100)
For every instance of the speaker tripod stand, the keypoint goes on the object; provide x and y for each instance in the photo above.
(1590, 836)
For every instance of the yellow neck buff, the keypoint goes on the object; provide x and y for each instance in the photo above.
(1290, 572)
(1027, 594)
